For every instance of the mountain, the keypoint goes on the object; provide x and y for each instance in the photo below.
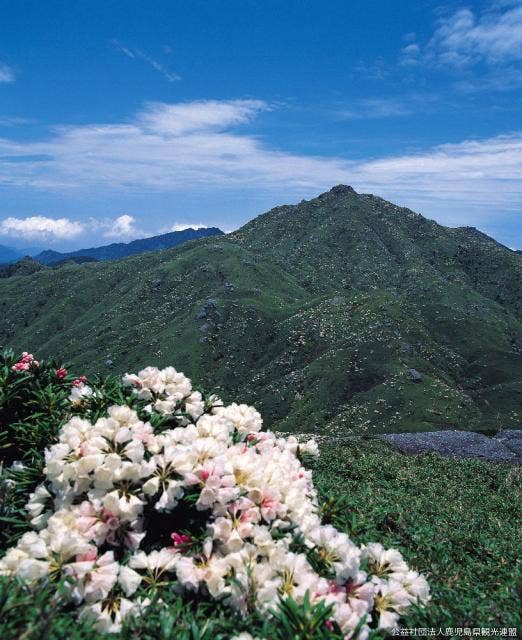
(23, 267)
(12, 254)
(28, 265)
(9, 254)
(119, 250)
(340, 314)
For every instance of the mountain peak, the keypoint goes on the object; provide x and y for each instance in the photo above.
(342, 189)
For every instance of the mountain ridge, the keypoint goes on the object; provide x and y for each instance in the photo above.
(117, 250)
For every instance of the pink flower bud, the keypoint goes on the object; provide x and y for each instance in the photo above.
(25, 363)
(180, 540)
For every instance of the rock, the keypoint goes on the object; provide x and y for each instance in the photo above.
(415, 375)
(229, 287)
(452, 443)
(512, 439)
(209, 306)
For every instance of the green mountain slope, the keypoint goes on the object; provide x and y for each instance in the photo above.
(323, 314)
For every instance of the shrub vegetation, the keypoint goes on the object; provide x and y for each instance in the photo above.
(452, 520)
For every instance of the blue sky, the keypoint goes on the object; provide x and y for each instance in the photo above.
(120, 119)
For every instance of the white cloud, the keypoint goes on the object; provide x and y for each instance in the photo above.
(203, 115)
(138, 54)
(123, 227)
(459, 182)
(465, 38)
(6, 73)
(193, 147)
(166, 148)
(51, 229)
(41, 228)
(181, 226)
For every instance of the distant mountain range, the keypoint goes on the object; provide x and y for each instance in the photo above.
(119, 250)
(340, 314)
(11, 254)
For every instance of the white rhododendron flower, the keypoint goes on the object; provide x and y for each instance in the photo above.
(208, 501)
(79, 393)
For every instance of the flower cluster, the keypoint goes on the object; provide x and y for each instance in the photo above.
(80, 391)
(207, 502)
(26, 362)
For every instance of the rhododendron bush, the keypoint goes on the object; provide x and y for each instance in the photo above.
(179, 491)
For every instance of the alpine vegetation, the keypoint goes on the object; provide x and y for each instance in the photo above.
(170, 489)
(315, 313)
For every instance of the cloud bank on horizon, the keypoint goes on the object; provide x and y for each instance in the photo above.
(212, 147)
(46, 229)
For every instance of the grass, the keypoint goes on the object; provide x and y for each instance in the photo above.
(455, 520)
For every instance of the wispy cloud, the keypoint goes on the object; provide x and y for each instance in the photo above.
(481, 51)
(6, 73)
(14, 121)
(196, 147)
(377, 69)
(204, 115)
(410, 55)
(480, 176)
(375, 108)
(465, 38)
(167, 147)
(138, 54)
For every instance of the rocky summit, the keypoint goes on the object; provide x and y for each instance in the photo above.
(342, 314)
